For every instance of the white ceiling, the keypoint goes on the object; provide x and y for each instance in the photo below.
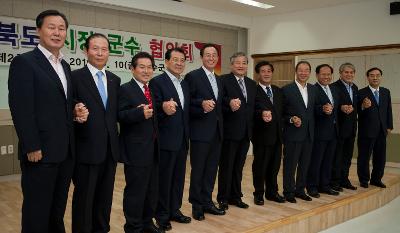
(281, 6)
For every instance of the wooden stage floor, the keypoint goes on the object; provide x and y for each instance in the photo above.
(307, 217)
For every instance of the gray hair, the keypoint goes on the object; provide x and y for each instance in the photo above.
(238, 54)
(347, 65)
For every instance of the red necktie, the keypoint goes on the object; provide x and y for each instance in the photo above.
(147, 94)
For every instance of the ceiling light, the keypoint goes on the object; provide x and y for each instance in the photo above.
(254, 3)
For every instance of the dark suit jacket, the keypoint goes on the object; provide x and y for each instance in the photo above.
(92, 137)
(347, 122)
(202, 125)
(294, 106)
(172, 129)
(41, 113)
(138, 136)
(326, 127)
(238, 124)
(377, 118)
(264, 133)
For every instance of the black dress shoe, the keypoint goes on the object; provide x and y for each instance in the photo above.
(378, 184)
(364, 184)
(223, 205)
(214, 210)
(151, 228)
(290, 199)
(239, 203)
(314, 194)
(166, 226)
(179, 217)
(303, 196)
(337, 188)
(198, 213)
(259, 200)
(276, 198)
(348, 186)
(329, 192)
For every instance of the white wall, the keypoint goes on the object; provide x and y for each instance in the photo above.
(360, 24)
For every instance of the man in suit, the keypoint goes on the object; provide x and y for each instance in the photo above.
(267, 136)
(238, 98)
(206, 127)
(41, 105)
(139, 147)
(97, 149)
(171, 100)
(375, 122)
(347, 122)
(298, 132)
(326, 104)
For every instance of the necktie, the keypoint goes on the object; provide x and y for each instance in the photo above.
(269, 94)
(328, 93)
(148, 95)
(243, 88)
(101, 88)
(214, 85)
(350, 91)
(376, 95)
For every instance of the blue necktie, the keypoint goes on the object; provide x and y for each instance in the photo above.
(269, 94)
(101, 88)
(376, 95)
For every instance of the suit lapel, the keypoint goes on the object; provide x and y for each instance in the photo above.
(298, 94)
(87, 79)
(138, 92)
(235, 83)
(110, 89)
(46, 66)
(207, 82)
(68, 77)
(171, 87)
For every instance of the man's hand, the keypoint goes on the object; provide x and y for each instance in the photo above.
(296, 121)
(327, 109)
(208, 105)
(266, 116)
(169, 107)
(366, 103)
(147, 111)
(35, 156)
(347, 108)
(235, 104)
(80, 113)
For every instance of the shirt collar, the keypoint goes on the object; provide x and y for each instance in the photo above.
(139, 83)
(237, 78)
(207, 71)
(173, 77)
(264, 87)
(93, 70)
(373, 89)
(299, 85)
(48, 54)
(323, 86)
(346, 84)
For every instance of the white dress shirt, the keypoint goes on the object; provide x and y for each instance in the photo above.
(93, 70)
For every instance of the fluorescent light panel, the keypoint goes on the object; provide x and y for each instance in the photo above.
(254, 3)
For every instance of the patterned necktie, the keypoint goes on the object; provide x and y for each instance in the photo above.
(243, 88)
(147, 94)
(269, 94)
(214, 85)
(101, 88)
(376, 95)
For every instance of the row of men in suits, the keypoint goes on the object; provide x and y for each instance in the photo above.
(157, 118)
(319, 124)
